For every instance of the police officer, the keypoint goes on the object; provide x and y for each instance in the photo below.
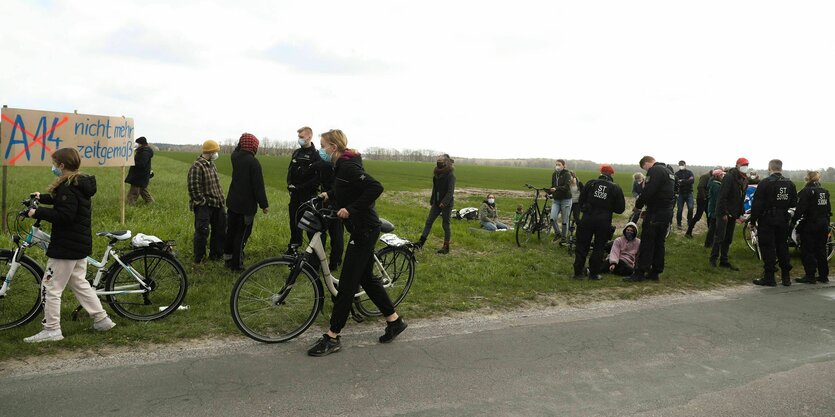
(770, 213)
(302, 181)
(598, 200)
(658, 197)
(813, 212)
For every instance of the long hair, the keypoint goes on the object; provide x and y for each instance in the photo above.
(337, 138)
(72, 161)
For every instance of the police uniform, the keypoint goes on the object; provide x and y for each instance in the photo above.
(812, 218)
(769, 211)
(598, 200)
(302, 182)
(658, 197)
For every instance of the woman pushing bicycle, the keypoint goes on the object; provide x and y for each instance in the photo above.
(354, 193)
(71, 243)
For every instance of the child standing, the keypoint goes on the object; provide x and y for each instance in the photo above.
(71, 243)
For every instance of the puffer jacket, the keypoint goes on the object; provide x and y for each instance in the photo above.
(71, 216)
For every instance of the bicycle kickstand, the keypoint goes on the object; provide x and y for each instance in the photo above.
(74, 315)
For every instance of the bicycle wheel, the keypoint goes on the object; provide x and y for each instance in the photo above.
(749, 237)
(24, 299)
(830, 242)
(268, 310)
(161, 271)
(525, 228)
(399, 266)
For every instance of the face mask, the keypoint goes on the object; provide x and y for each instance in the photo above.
(681, 167)
(56, 171)
(629, 235)
(558, 168)
(324, 155)
(491, 201)
(215, 156)
(302, 142)
(440, 164)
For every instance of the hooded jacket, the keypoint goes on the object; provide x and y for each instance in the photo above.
(71, 217)
(443, 187)
(356, 191)
(246, 191)
(140, 173)
(625, 250)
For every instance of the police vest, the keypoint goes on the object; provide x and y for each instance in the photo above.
(780, 195)
(599, 196)
(818, 203)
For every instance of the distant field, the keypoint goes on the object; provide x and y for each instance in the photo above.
(484, 271)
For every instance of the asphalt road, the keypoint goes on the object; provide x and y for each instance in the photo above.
(738, 352)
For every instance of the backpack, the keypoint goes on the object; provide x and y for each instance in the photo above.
(466, 213)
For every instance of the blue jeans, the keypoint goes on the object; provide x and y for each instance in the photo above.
(561, 207)
(682, 198)
(493, 226)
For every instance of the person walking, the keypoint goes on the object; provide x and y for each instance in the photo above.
(302, 182)
(70, 245)
(684, 185)
(246, 194)
(701, 202)
(207, 202)
(729, 212)
(488, 215)
(441, 200)
(712, 193)
(658, 197)
(139, 175)
(812, 215)
(561, 198)
(598, 201)
(355, 193)
(776, 194)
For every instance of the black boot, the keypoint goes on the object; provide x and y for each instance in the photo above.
(420, 242)
(767, 280)
(786, 278)
(806, 280)
(444, 249)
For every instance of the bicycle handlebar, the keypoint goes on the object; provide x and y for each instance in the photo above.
(30, 203)
(324, 212)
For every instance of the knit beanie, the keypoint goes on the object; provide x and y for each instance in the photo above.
(249, 142)
(211, 146)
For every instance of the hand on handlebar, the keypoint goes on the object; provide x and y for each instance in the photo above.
(343, 213)
(323, 196)
(36, 195)
(30, 213)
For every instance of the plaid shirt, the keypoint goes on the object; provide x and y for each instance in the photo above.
(204, 185)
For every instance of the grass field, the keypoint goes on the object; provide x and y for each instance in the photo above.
(484, 271)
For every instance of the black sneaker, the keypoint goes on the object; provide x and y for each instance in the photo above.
(393, 329)
(595, 277)
(806, 280)
(636, 277)
(325, 346)
(823, 279)
(728, 265)
(764, 282)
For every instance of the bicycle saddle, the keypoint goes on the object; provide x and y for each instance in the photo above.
(118, 235)
(386, 226)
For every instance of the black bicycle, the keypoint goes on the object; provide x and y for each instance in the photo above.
(535, 220)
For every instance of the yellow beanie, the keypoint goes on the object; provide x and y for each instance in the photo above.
(210, 146)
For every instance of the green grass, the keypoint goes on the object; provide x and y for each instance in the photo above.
(484, 270)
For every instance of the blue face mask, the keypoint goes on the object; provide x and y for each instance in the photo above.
(56, 171)
(324, 155)
(302, 142)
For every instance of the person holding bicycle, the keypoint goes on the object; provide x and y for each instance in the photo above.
(71, 243)
(770, 213)
(598, 201)
(488, 215)
(561, 198)
(354, 193)
(814, 209)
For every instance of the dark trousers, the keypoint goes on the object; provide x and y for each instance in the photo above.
(722, 238)
(589, 228)
(813, 249)
(653, 237)
(296, 200)
(774, 246)
(209, 219)
(238, 229)
(711, 231)
(434, 212)
(701, 207)
(682, 199)
(623, 269)
(358, 270)
(336, 231)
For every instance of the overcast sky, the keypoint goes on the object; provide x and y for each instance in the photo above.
(609, 81)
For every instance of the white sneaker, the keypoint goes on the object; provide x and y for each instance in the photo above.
(45, 336)
(104, 324)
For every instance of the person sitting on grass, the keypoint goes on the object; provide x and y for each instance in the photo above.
(487, 215)
(625, 251)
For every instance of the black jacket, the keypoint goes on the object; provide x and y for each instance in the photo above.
(443, 188)
(775, 196)
(302, 171)
(684, 181)
(246, 192)
(601, 198)
(71, 218)
(731, 196)
(701, 189)
(814, 207)
(560, 182)
(140, 173)
(658, 194)
(356, 191)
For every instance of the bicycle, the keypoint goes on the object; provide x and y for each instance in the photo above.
(535, 220)
(279, 298)
(147, 283)
(749, 235)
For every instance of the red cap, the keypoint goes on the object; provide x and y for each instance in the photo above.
(249, 142)
(607, 169)
(741, 161)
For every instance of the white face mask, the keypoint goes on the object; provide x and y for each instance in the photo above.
(558, 168)
(215, 156)
(681, 167)
(491, 200)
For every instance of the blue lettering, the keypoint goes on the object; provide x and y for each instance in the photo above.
(18, 123)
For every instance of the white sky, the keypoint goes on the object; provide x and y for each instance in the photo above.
(609, 81)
